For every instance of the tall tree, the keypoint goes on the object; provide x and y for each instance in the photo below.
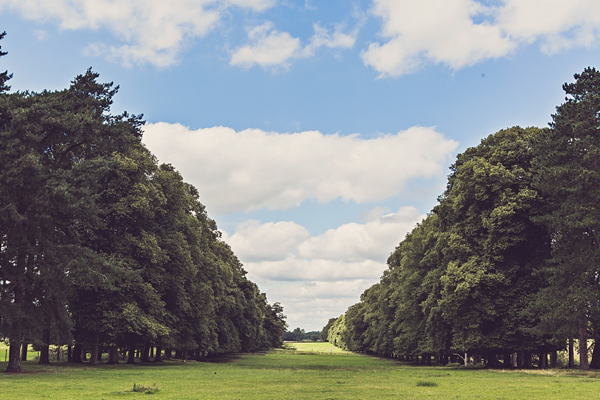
(568, 163)
(492, 247)
(54, 146)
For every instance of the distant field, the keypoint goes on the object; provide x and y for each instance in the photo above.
(312, 371)
(314, 347)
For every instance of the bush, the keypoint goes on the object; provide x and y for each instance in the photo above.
(145, 389)
(426, 383)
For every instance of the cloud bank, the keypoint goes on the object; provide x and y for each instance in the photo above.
(153, 31)
(272, 48)
(254, 169)
(461, 33)
(454, 33)
(317, 277)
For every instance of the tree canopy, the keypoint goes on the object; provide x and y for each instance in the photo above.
(507, 262)
(102, 247)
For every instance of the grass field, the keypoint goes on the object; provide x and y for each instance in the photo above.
(311, 371)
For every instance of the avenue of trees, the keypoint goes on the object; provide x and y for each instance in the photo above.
(505, 270)
(103, 249)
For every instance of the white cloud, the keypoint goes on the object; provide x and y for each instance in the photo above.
(271, 241)
(269, 47)
(253, 169)
(460, 33)
(373, 240)
(322, 38)
(272, 48)
(433, 31)
(297, 269)
(558, 24)
(283, 251)
(153, 31)
(316, 278)
(40, 34)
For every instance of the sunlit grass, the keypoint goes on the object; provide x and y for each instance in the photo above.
(309, 372)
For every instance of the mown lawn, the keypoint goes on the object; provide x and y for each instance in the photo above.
(308, 372)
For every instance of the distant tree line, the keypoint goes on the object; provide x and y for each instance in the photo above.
(298, 335)
(103, 249)
(505, 270)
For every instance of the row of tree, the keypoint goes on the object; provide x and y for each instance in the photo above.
(299, 335)
(103, 248)
(507, 265)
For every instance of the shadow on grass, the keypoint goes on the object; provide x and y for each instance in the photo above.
(33, 367)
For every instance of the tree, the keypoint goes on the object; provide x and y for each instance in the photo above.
(568, 164)
(492, 246)
(4, 76)
(325, 330)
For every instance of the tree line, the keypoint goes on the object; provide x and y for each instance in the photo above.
(505, 270)
(102, 248)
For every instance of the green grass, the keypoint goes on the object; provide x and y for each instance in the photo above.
(305, 373)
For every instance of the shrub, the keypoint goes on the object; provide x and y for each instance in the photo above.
(145, 389)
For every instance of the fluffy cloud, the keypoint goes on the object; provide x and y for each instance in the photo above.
(272, 48)
(269, 47)
(352, 242)
(316, 278)
(253, 169)
(460, 33)
(436, 31)
(271, 241)
(283, 251)
(153, 31)
(557, 24)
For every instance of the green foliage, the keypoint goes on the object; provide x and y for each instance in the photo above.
(465, 278)
(145, 389)
(100, 241)
(567, 161)
(426, 383)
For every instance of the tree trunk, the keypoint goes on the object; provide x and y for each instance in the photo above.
(527, 359)
(157, 354)
(16, 331)
(520, 359)
(77, 351)
(14, 357)
(113, 355)
(45, 349)
(131, 353)
(543, 360)
(69, 353)
(571, 354)
(507, 361)
(24, 348)
(583, 349)
(595, 363)
(553, 358)
(94, 351)
(146, 353)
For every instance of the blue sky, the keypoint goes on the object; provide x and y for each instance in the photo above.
(318, 133)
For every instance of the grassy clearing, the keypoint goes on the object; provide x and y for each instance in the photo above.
(314, 348)
(291, 374)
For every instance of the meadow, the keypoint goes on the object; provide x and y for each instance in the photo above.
(301, 371)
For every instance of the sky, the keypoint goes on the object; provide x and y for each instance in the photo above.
(318, 133)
